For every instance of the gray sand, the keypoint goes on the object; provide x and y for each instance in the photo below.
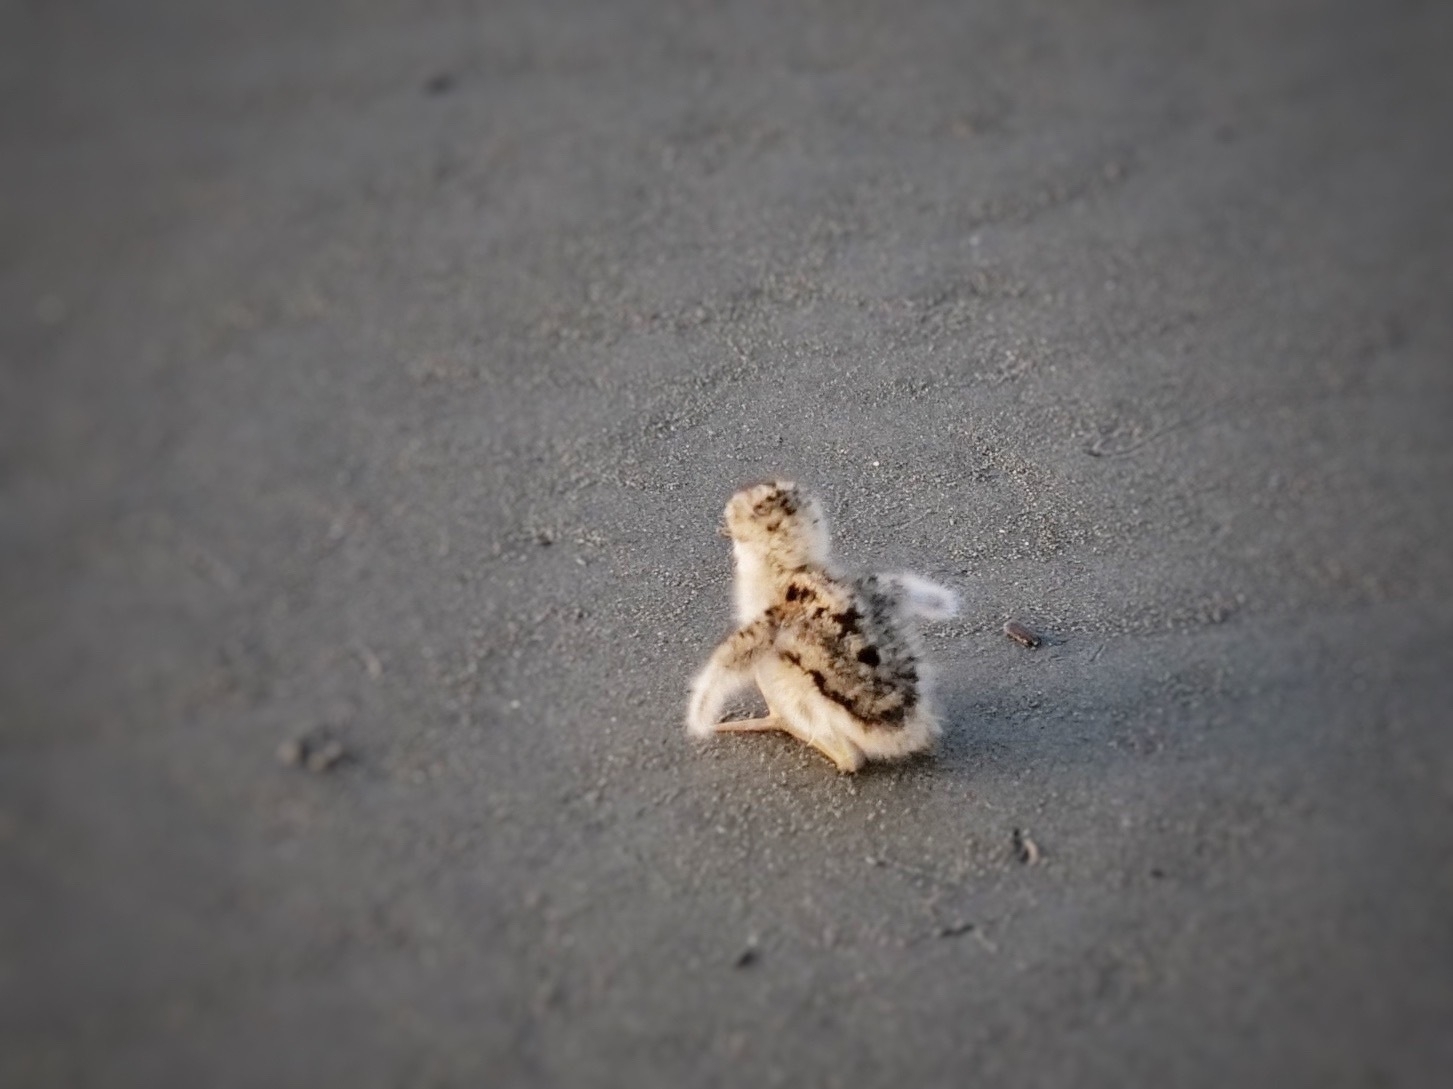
(377, 376)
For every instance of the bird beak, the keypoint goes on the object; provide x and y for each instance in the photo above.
(722, 531)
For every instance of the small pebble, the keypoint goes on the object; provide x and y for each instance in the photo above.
(1025, 849)
(325, 757)
(1022, 635)
(291, 752)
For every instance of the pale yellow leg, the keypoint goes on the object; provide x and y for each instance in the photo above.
(842, 752)
(751, 725)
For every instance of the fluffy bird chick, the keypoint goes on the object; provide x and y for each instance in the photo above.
(838, 660)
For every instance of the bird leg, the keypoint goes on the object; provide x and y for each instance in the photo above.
(751, 725)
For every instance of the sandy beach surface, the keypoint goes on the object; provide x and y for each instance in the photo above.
(372, 376)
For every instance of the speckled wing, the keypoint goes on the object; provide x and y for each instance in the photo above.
(846, 637)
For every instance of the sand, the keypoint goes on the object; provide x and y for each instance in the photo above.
(371, 380)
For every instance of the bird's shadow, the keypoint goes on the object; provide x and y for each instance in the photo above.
(1009, 728)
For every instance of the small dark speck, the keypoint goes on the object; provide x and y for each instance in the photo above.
(746, 958)
(1157, 873)
(440, 84)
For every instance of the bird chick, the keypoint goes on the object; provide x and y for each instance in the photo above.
(838, 660)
